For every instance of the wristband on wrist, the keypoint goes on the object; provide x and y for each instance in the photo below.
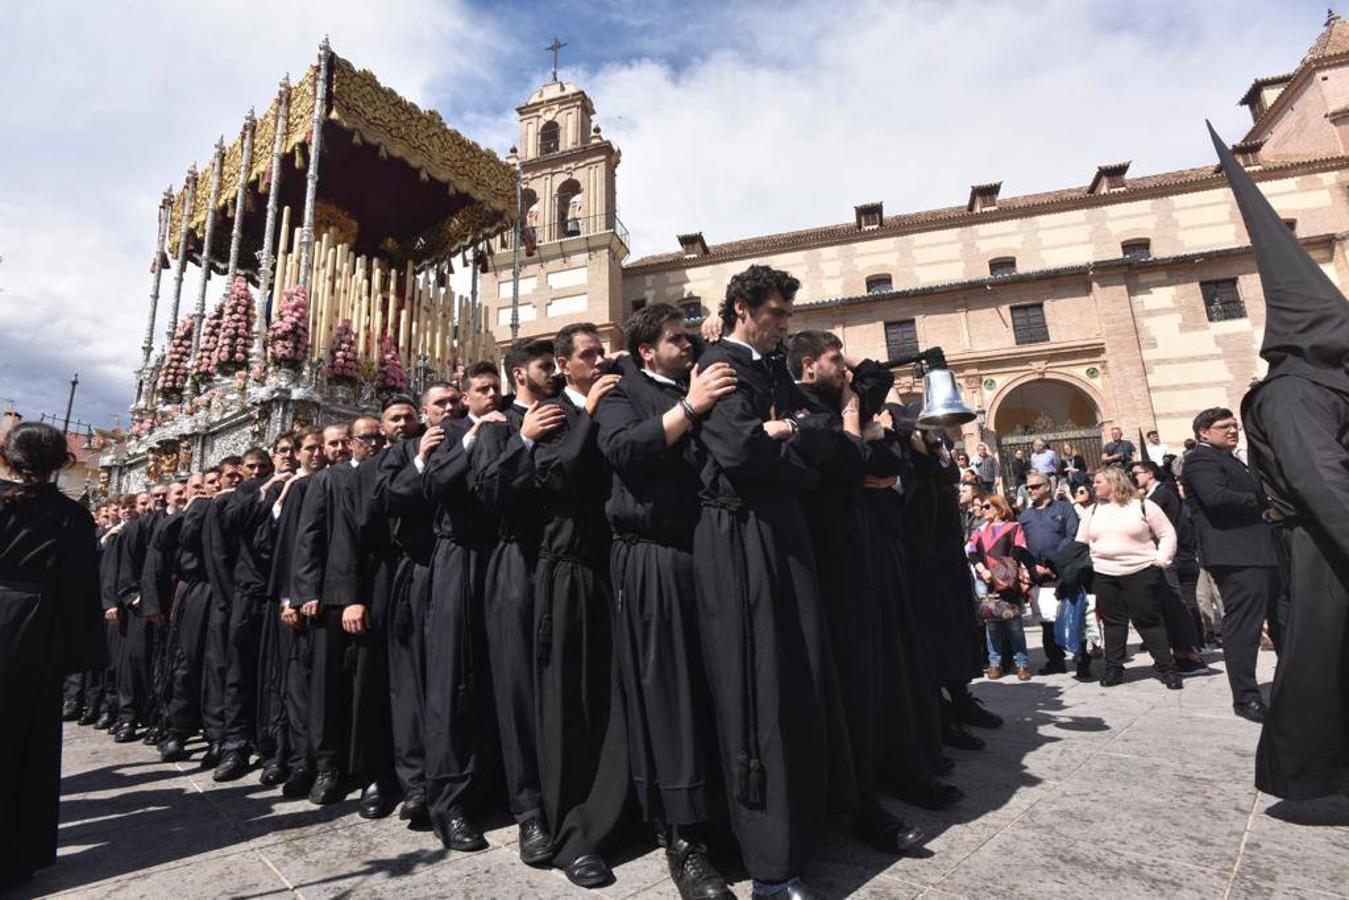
(687, 408)
(795, 425)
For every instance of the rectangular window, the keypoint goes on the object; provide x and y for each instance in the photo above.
(1028, 324)
(692, 308)
(1222, 302)
(1001, 268)
(901, 338)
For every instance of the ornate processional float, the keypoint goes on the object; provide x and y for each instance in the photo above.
(334, 220)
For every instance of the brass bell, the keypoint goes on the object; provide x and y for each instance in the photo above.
(942, 404)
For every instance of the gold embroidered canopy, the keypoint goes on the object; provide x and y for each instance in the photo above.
(394, 180)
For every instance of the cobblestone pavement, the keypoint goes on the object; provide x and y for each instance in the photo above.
(1134, 791)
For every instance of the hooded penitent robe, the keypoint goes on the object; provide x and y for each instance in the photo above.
(50, 625)
(780, 724)
(1297, 426)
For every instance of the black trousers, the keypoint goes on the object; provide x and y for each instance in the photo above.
(240, 707)
(1179, 623)
(136, 670)
(1137, 597)
(1249, 596)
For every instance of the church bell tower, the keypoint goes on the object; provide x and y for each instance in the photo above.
(573, 244)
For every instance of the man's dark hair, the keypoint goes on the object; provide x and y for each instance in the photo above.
(34, 450)
(1207, 417)
(210, 469)
(284, 436)
(1151, 434)
(1151, 467)
(645, 326)
(230, 461)
(808, 344)
(398, 400)
(522, 353)
(256, 453)
(565, 343)
(1189, 443)
(438, 385)
(754, 286)
(308, 431)
(479, 369)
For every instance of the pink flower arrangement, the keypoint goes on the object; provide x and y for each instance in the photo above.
(142, 426)
(235, 335)
(288, 337)
(390, 378)
(172, 379)
(343, 365)
(210, 331)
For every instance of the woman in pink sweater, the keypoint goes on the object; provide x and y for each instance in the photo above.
(1131, 541)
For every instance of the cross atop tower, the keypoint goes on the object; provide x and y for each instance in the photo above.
(555, 47)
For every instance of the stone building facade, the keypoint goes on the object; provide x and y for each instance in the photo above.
(1130, 301)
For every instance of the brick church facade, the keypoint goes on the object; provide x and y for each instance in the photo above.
(1132, 300)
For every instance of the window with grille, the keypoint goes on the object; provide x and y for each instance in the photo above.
(1140, 249)
(693, 310)
(999, 268)
(880, 284)
(900, 338)
(1028, 324)
(1222, 301)
(549, 136)
(638, 303)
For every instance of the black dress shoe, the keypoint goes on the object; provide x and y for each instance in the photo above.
(274, 771)
(1054, 667)
(233, 766)
(588, 871)
(152, 737)
(1255, 710)
(414, 806)
(693, 873)
(70, 711)
(959, 736)
(971, 711)
(943, 765)
(795, 891)
(886, 833)
(461, 834)
(1173, 681)
(88, 717)
(299, 783)
(125, 734)
(1112, 677)
(377, 801)
(105, 721)
(172, 750)
(536, 844)
(327, 788)
(1083, 672)
(211, 758)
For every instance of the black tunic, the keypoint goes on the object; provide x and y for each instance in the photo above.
(137, 649)
(582, 736)
(245, 514)
(159, 584)
(783, 739)
(49, 627)
(286, 670)
(502, 477)
(459, 727)
(1298, 434)
(188, 631)
(653, 510)
(220, 550)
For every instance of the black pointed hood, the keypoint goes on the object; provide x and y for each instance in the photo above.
(1306, 316)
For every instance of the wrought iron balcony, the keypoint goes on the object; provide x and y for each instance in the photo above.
(540, 233)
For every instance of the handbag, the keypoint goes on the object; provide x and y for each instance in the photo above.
(994, 609)
(1068, 627)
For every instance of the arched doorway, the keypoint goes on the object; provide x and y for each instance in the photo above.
(1057, 411)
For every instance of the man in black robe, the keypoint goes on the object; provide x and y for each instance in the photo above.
(269, 716)
(287, 681)
(187, 630)
(458, 712)
(323, 584)
(158, 581)
(852, 597)
(109, 568)
(220, 548)
(784, 744)
(245, 515)
(400, 497)
(645, 427)
(1297, 421)
(502, 475)
(139, 624)
(582, 742)
(83, 691)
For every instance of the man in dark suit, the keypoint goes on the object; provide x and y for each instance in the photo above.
(1184, 624)
(1236, 546)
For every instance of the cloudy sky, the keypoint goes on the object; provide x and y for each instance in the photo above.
(735, 119)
